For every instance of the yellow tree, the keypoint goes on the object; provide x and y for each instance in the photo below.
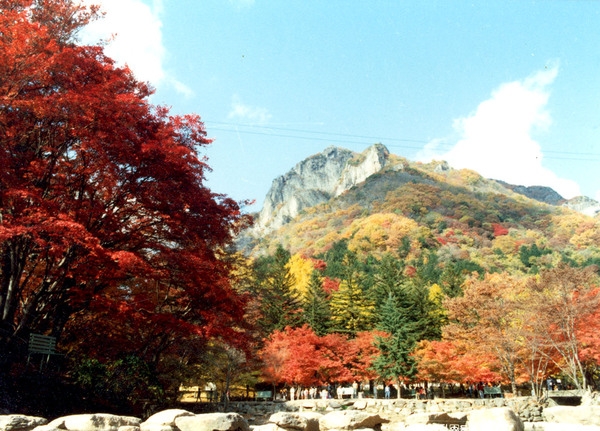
(352, 310)
(300, 269)
(381, 233)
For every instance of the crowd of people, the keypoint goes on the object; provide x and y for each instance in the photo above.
(422, 391)
(325, 392)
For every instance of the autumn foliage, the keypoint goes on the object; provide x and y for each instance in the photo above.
(105, 220)
(297, 356)
(106, 223)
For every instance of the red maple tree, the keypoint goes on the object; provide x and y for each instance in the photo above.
(291, 357)
(499, 230)
(362, 351)
(297, 356)
(103, 207)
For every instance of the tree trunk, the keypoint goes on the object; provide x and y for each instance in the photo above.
(226, 392)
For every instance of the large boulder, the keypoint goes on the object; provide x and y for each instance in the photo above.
(350, 420)
(20, 422)
(91, 422)
(495, 419)
(360, 405)
(304, 421)
(212, 422)
(164, 420)
(580, 415)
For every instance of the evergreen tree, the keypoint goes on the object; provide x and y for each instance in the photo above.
(424, 318)
(395, 361)
(334, 259)
(404, 248)
(454, 275)
(279, 304)
(316, 306)
(407, 313)
(412, 297)
(388, 279)
(529, 255)
(428, 270)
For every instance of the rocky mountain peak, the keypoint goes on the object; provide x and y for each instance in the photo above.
(538, 193)
(584, 205)
(315, 180)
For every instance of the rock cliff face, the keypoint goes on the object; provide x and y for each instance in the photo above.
(584, 205)
(315, 180)
(371, 161)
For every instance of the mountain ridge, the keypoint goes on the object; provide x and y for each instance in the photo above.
(336, 170)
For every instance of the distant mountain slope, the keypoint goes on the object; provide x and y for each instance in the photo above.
(333, 195)
(539, 193)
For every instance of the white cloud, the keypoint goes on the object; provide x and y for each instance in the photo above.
(252, 114)
(496, 140)
(134, 34)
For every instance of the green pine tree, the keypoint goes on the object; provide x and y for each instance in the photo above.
(334, 259)
(454, 275)
(395, 361)
(388, 278)
(425, 320)
(280, 306)
(316, 306)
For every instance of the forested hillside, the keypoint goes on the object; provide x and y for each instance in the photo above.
(445, 273)
(457, 214)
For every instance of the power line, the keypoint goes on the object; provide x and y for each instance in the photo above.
(354, 136)
(309, 138)
(325, 136)
(333, 137)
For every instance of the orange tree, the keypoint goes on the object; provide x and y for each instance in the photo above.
(484, 323)
(448, 362)
(565, 303)
(437, 362)
(362, 352)
(532, 327)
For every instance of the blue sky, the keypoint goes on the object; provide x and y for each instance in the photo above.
(510, 89)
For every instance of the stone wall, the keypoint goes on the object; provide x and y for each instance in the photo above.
(527, 408)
